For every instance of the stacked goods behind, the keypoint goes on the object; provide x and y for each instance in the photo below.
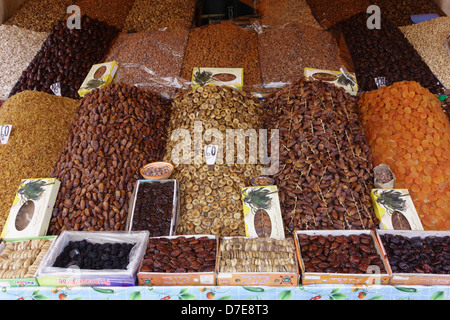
(279, 12)
(118, 129)
(66, 57)
(223, 46)
(325, 174)
(39, 130)
(150, 59)
(384, 56)
(408, 130)
(210, 198)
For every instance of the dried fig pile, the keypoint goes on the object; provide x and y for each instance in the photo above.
(325, 174)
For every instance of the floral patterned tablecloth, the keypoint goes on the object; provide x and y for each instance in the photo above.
(308, 292)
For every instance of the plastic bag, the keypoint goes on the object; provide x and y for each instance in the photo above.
(8, 8)
(106, 277)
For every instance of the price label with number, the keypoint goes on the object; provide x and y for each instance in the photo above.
(5, 131)
(211, 154)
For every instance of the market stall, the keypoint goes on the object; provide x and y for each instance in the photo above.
(291, 153)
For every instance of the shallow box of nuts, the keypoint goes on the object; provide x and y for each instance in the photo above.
(20, 259)
(245, 261)
(180, 260)
(416, 257)
(155, 207)
(93, 258)
(340, 257)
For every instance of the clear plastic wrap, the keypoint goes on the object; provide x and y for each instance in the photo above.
(152, 60)
(49, 275)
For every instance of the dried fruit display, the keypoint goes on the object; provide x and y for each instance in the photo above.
(329, 14)
(400, 11)
(339, 253)
(210, 198)
(158, 14)
(118, 129)
(150, 60)
(40, 122)
(209, 47)
(408, 130)
(326, 173)
(19, 260)
(257, 255)
(39, 15)
(180, 255)
(384, 56)
(66, 57)
(428, 38)
(302, 47)
(427, 254)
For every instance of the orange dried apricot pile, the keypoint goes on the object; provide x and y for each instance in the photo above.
(408, 130)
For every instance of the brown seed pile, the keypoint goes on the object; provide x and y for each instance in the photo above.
(257, 255)
(302, 47)
(113, 12)
(210, 198)
(429, 39)
(279, 12)
(150, 60)
(180, 255)
(19, 46)
(400, 11)
(325, 174)
(339, 254)
(40, 122)
(223, 46)
(328, 14)
(67, 57)
(20, 260)
(158, 14)
(40, 15)
(118, 129)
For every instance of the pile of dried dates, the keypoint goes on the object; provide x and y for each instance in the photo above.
(430, 254)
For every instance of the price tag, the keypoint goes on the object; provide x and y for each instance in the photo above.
(380, 81)
(211, 154)
(56, 88)
(5, 131)
(257, 27)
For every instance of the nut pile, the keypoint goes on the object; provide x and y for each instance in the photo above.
(339, 254)
(154, 208)
(408, 130)
(117, 130)
(39, 15)
(150, 60)
(40, 122)
(400, 11)
(22, 259)
(428, 39)
(302, 47)
(94, 256)
(210, 198)
(257, 255)
(384, 56)
(430, 254)
(158, 14)
(180, 255)
(113, 12)
(209, 47)
(278, 12)
(326, 173)
(328, 15)
(19, 46)
(66, 57)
